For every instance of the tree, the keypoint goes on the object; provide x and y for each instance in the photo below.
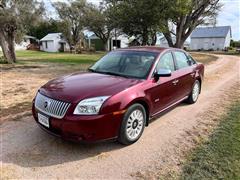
(185, 15)
(98, 20)
(45, 27)
(139, 18)
(72, 17)
(14, 21)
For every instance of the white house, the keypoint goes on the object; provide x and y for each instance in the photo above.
(54, 42)
(211, 38)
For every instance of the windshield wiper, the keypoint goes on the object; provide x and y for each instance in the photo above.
(92, 70)
(108, 73)
(115, 74)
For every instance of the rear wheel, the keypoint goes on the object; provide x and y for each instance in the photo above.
(193, 97)
(132, 125)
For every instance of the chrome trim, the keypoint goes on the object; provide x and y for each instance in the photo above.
(51, 107)
(170, 106)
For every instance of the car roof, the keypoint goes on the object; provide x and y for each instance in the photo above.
(147, 48)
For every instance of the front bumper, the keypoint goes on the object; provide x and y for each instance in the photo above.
(83, 128)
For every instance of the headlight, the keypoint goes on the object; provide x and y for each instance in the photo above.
(90, 106)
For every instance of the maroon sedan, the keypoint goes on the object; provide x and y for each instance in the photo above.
(119, 94)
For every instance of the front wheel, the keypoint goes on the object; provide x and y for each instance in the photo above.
(133, 124)
(193, 97)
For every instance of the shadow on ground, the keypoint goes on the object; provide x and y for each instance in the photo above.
(26, 145)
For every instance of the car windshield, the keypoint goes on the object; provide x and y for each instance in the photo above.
(132, 64)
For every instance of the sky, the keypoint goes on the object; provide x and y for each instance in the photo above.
(228, 16)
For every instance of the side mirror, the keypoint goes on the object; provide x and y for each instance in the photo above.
(162, 73)
(190, 62)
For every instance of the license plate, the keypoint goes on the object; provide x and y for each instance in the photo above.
(44, 120)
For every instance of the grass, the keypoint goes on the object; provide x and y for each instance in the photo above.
(219, 157)
(24, 57)
(65, 58)
(232, 53)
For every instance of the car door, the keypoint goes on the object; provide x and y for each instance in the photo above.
(185, 74)
(163, 91)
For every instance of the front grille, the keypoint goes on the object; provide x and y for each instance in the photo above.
(51, 107)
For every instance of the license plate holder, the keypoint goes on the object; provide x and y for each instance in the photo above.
(43, 120)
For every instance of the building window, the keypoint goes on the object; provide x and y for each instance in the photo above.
(46, 44)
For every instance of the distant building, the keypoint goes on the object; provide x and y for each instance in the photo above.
(211, 38)
(96, 43)
(54, 42)
(26, 43)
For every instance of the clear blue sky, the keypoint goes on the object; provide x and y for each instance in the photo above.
(228, 16)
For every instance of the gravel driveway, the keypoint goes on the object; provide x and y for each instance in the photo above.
(28, 152)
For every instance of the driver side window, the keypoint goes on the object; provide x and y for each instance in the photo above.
(166, 62)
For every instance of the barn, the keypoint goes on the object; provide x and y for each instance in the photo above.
(211, 38)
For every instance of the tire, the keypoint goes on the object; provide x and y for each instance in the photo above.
(193, 97)
(133, 124)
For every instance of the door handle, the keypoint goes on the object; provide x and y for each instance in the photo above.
(175, 82)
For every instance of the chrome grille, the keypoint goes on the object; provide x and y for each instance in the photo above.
(51, 107)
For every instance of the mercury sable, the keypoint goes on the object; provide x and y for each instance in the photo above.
(118, 95)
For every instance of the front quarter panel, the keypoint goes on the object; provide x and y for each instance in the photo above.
(126, 98)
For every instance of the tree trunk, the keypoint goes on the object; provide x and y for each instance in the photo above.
(105, 44)
(154, 39)
(179, 44)
(168, 37)
(7, 43)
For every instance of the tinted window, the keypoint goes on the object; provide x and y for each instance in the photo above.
(166, 62)
(181, 59)
(134, 64)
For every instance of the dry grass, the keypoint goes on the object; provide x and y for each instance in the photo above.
(204, 58)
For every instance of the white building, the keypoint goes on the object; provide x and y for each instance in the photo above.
(27, 40)
(54, 42)
(211, 38)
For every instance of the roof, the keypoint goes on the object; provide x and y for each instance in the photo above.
(52, 36)
(29, 37)
(211, 32)
(93, 36)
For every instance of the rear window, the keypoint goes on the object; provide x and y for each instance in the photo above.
(181, 59)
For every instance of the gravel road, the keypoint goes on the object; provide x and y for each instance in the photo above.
(28, 152)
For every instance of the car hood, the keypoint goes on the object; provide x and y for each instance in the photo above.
(75, 87)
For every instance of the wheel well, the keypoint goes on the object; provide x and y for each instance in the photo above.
(145, 105)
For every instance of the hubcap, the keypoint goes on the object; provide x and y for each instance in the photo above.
(134, 124)
(195, 92)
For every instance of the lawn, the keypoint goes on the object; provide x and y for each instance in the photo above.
(67, 58)
(24, 57)
(219, 157)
